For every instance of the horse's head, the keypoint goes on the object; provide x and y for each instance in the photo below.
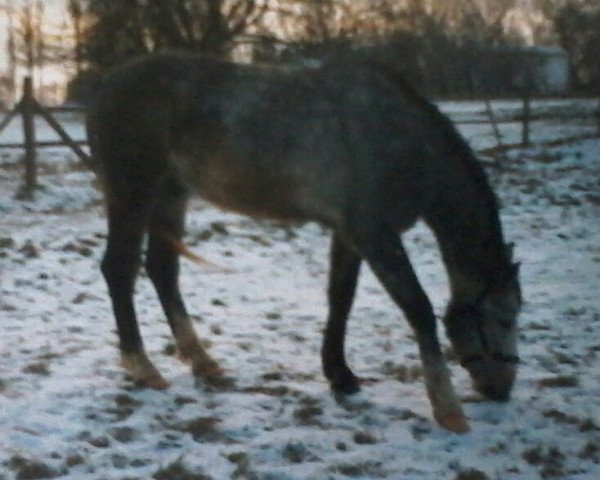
(484, 335)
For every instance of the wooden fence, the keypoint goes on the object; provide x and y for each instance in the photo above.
(28, 108)
(527, 116)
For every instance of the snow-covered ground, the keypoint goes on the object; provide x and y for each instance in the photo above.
(66, 410)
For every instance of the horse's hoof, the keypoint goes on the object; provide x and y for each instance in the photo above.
(454, 422)
(210, 375)
(184, 358)
(154, 380)
(217, 383)
(141, 370)
(155, 383)
(210, 369)
(346, 384)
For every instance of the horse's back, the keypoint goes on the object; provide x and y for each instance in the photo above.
(290, 143)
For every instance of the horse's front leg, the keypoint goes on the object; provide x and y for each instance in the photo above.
(343, 274)
(386, 255)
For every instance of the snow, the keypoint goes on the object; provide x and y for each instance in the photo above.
(66, 409)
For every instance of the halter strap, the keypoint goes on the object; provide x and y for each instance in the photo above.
(457, 328)
(499, 357)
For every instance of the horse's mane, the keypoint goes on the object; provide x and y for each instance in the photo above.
(452, 138)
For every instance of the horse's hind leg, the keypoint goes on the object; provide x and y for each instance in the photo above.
(386, 256)
(162, 265)
(343, 274)
(120, 266)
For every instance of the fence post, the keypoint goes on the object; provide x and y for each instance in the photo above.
(28, 112)
(598, 117)
(527, 87)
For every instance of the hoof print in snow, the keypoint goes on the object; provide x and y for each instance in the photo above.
(308, 415)
(99, 442)
(364, 438)
(215, 383)
(201, 429)
(298, 453)
(181, 471)
(29, 250)
(124, 434)
(25, 468)
(6, 243)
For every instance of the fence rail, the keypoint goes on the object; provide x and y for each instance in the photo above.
(43, 144)
(28, 108)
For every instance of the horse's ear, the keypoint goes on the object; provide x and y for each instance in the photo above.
(510, 250)
(516, 268)
(511, 277)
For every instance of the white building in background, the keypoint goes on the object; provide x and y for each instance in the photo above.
(551, 69)
(547, 68)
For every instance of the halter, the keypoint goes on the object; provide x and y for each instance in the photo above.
(473, 312)
(499, 357)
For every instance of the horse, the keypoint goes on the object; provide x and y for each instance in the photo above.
(348, 144)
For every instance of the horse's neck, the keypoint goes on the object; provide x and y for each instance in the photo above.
(466, 224)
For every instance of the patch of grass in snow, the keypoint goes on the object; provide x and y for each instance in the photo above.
(124, 434)
(6, 243)
(202, 429)
(178, 470)
(37, 368)
(308, 414)
(364, 438)
(550, 460)
(216, 383)
(403, 373)
(184, 400)
(273, 376)
(582, 424)
(365, 469)
(28, 469)
(590, 451)
(297, 452)
(243, 468)
(124, 407)
(271, 391)
(559, 381)
(74, 459)
(589, 425)
(471, 474)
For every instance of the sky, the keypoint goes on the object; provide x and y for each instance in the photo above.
(54, 14)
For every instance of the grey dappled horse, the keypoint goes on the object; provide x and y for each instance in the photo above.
(346, 144)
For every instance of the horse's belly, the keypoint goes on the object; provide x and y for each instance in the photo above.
(252, 203)
(241, 187)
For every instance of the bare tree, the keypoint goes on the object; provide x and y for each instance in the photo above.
(76, 9)
(7, 78)
(120, 30)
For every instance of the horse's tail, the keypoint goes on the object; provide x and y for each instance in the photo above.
(183, 250)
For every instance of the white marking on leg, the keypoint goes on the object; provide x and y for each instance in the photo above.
(191, 349)
(447, 408)
(142, 371)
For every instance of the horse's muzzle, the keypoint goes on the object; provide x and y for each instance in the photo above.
(493, 377)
